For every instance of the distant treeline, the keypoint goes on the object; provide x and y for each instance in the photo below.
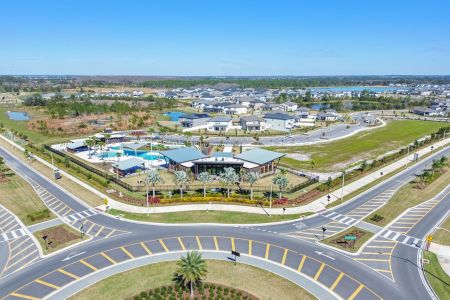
(59, 107)
(365, 101)
(57, 83)
(295, 82)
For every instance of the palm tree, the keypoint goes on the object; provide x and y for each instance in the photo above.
(229, 177)
(436, 165)
(204, 177)
(154, 178)
(89, 142)
(191, 271)
(3, 169)
(281, 180)
(251, 177)
(181, 179)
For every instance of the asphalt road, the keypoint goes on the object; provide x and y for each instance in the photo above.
(123, 241)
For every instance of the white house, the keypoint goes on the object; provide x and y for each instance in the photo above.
(289, 106)
(220, 123)
(235, 109)
(253, 123)
(279, 121)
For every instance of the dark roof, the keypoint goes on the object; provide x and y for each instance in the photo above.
(194, 116)
(221, 119)
(181, 155)
(252, 118)
(278, 116)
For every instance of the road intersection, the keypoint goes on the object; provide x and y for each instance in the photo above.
(387, 267)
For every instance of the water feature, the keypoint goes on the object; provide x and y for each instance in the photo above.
(18, 115)
(174, 115)
(376, 89)
(144, 154)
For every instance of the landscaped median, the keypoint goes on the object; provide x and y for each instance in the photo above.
(225, 217)
(436, 276)
(58, 237)
(260, 283)
(349, 240)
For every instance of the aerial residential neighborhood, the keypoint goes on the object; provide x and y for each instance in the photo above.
(224, 150)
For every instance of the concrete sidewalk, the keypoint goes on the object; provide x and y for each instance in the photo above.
(443, 255)
(315, 206)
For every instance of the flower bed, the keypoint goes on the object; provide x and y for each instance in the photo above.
(206, 291)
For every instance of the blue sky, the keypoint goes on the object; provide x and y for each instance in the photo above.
(225, 37)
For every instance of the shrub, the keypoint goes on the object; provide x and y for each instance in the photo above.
(143, 294)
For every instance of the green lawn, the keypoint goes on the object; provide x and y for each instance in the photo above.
(439, 280)
(442, 235)
(364, 145)
(19, 197)
(260, 283)
(205, 217)
(362, 237)
(407, 196)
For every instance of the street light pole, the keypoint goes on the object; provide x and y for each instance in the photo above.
(146, 184)
(343, 183)
(270, 203)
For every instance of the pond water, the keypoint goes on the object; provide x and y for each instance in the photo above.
(18, 115)
(174, 115)
(376, 89)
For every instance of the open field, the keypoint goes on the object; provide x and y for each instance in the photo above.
(19, 197)
(262, 284)
(74, 188)
(436, 276)
(338, 241)
(226, 217)
(407, 196)
(58, 237)
(442, 234)
(364, 145)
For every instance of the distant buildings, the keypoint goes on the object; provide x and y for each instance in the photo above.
(279, 121)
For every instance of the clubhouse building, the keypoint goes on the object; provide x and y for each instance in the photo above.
(261, 161)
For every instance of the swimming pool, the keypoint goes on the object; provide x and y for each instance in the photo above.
(127, 152)
(174, 115)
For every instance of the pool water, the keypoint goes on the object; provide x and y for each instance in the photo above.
(18, 115)
(174, 115)
(127, 152)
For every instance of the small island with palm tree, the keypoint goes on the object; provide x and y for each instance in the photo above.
(188, 283)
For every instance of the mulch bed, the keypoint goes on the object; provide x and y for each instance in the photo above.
(57, 236)
(207, 291)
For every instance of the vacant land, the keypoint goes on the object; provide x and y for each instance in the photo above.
(57, 238)
(205, 217)
(262, 284)
(437, 277)
(409, 195)
(19, 197)
(442, 234)
(364, 145)
(338, 240)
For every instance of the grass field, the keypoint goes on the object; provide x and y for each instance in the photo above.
(58, 237)
(407, 196)
(442, 235)
(338, 239)
(364, 145)
(226, 217)
(19, 197)
(262, 284)
(436, 276)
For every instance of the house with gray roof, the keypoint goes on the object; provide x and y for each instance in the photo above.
(220, 123)
(181, 158)
(235, 109)
(279, 121)
(193, 120)
(128, 166)
(252, 123)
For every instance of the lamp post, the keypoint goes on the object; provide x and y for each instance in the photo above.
(270, 202)
(343, 183)
(146, 185)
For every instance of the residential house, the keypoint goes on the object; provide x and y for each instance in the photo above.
(193, 120)
(235, 109)
(289, 106)
(253, 123)
(279, 121)
(220, 123)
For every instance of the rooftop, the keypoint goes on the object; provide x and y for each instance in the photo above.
(221, 119)
(259, 156)
(75, 144)
(278, 116)
(129, 163)
(181, 155)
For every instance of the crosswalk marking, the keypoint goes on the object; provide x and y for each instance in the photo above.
(11, 235)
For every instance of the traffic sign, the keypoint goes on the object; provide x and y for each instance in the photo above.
(105, 201)
(429, 238)
(350, 237)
